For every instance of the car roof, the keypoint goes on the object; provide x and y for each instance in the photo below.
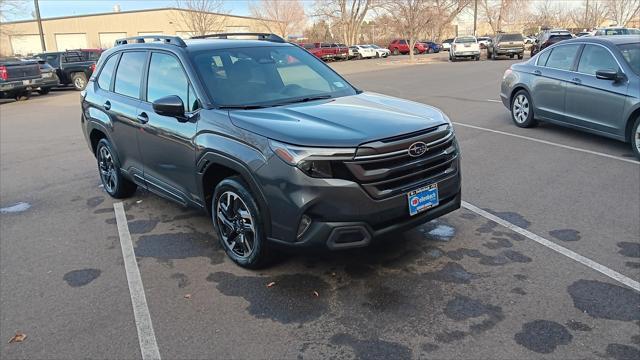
(606, 40)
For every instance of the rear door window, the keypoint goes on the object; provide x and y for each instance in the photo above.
(596, 58)
(563, 57)
(129, 73)
(542, 58)
(106, 74)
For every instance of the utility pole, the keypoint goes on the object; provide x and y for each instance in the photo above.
(475, 17)
(586, 14)
(37, 6)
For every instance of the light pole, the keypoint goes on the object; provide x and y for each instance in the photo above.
(475, 17)
(42, 44)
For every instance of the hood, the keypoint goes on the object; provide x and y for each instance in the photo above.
(340, 122)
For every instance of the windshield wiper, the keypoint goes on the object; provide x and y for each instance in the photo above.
(242, 107)
(305, 99)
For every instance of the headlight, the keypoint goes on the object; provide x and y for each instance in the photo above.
(315, 162)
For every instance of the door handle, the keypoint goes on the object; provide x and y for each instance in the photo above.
(576, 81)
(537, 72)
(143, 118)
(107, 105)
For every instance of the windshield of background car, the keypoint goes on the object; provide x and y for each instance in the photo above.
(511, 37)
(266, 75)
(631, 54)
(465, 40)
(556, 38)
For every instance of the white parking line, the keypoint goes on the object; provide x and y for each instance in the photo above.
(555, 247)
(550, 143)
(496, 101)
(146, 335)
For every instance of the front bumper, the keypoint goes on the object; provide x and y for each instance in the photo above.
(342, 212)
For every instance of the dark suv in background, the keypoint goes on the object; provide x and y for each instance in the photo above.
(273, 143)
(549, 37)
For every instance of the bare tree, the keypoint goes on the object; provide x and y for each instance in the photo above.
(446, 11)
(318, 32)
(279, 17)
(497, 12)
(345, 15)
(623, 11)
(201, 17)
(590, 14)
(9, 8)
(412, 17)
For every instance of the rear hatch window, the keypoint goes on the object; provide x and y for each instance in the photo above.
(512, 37)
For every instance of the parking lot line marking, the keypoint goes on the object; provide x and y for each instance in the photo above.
(146, 335)
(553, 246)
(496, 101)
(550, 143)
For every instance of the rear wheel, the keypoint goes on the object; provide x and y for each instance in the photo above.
(494, 56)
(416, 51)
(44, 91)
(115, 184)
(635, 138)
(22, 96)
(79, 81)
(520, 56)
(237, 221)
(429, 51)
(522, 110)
(396, 52)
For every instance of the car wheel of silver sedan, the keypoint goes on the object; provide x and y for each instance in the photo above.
(635, 138)
(522, 110)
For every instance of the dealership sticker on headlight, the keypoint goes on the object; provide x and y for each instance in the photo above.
(423, 199)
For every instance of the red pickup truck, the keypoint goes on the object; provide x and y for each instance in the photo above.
(400, 46)
(327, 51)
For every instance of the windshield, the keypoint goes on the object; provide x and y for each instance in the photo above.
(464, 40)
(376, 47)
(631, 54)
(266, 76)
(511, 37)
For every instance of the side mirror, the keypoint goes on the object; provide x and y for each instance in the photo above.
(607, 74)
(170, 105)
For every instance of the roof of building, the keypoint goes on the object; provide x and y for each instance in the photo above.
(125, 12)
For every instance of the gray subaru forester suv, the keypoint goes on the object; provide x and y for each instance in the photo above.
(275, 145)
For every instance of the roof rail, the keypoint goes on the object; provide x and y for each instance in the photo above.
(259, 36)
(174, 40)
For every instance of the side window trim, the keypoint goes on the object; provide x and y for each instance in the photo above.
(620, 68)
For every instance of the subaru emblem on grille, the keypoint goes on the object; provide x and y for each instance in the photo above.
(417, 149)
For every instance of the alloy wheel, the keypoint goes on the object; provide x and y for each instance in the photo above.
(79, 83)
(520, 108)
(236, 224)
(107, 170)
(637, 139)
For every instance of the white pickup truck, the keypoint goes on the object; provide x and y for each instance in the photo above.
(464, 47)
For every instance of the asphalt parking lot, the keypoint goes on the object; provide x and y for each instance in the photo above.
(461, 287)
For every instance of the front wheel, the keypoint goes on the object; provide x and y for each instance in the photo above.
(22, 96)
(520, 56)
(522, 110)
(635, 138)
(396, 51)
(237, 220)
(44, 91)
(115, 184)
(79, 81)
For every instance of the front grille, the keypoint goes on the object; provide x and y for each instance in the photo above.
(385, 168)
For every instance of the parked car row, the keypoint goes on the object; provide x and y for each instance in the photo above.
(43, 72)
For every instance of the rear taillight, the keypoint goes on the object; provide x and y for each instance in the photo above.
(3, 73)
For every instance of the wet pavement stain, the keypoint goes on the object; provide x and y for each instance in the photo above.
(172, 246)
(438, 231)
(632, 265)
(358, 271)
(519, 291)
(450, 336)
(503, 258)
(510, 234)
(605, 301)
(112, 221)
(15, 208)
(566, 234)
(521, 277)
(383, 298)
(77, 278)
(629, 249)
(451, 273)
(543, 336)
(142, 226)
(103, 211)
(635, 339)
(290, 300)
(512, 217)
(183, 280)
(463, 308)
(578, 326)
(95, 201)
(498, 243)
(622, 352)
(487, 227)
(372, 348)
(429, 347)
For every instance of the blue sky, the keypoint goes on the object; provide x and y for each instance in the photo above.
(52, 8)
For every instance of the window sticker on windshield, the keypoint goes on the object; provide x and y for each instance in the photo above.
(338, 84)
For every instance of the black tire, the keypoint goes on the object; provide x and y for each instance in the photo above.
(115, 184)
(44, 91)
(79, 81)
(416, 51)
(429, 51)
(525, 117)
(494, 56)
(396, 51)
(511, 56)
(359, 57)
(259, 254)
(22, 96)
(520, 56)
(634, 138)
(477, 57)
